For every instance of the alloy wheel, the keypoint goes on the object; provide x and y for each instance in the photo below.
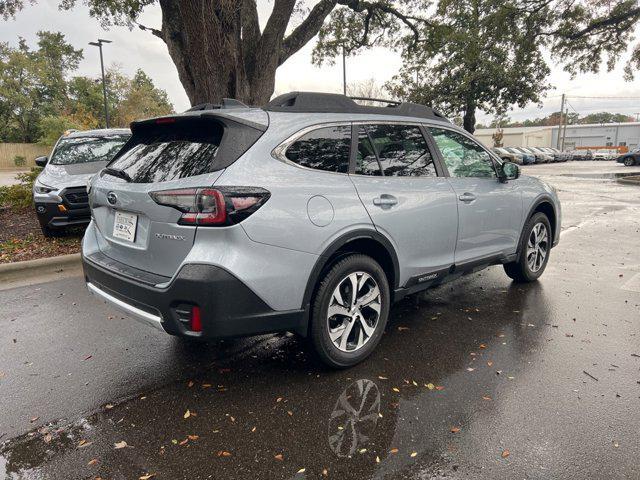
(537, 247)
(354, 311)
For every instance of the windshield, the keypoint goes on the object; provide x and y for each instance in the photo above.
(74, 150)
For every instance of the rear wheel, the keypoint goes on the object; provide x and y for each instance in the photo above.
(534, 250)
(628, 162)
(350, 311)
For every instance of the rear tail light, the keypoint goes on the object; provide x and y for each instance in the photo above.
(213, 207)
(196, 319)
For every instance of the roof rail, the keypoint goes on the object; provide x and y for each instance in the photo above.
(226, 104)
(315, 102)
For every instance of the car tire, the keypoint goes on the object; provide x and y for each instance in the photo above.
(628, 162)
(335, 290)
(530, 266)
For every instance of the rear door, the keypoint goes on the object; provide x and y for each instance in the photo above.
(398, 183)
(167, 154)
(489, 211)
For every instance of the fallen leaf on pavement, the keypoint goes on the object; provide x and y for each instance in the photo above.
(490, 364)
(108, 406)
(393, 450)
(84, 443)
(92, 462)
(382, 378)
(190, 384)
(439, 388)
(455, 429)
(414, 454)
(505, 453)
(302, 470)
(486, 397)
(193, 437)
(395, 389)
(33, 419)
(224, 453)
(402, 328)
(119, 445)
(279, 457)
(482, 345)
(187, 414)
(430, 386)
(147, 476)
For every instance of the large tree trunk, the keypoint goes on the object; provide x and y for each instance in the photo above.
(219, 50)
(469, 118)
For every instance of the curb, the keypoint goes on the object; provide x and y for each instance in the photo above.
(39, 268)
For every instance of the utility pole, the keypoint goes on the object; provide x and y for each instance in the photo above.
(564, 129)
(560, 123)
(344, 72)
(104, 84)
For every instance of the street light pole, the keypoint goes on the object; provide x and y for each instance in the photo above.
(104, 83)
(344, 72)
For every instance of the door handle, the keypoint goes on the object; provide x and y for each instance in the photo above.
(385, 200)
(467, 197)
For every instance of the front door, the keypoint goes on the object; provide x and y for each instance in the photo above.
(398, 183)
(489, 211)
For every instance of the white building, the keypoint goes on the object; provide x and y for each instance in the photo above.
(585, 136)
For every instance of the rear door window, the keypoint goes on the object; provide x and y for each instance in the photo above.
(394, 150)
(325, 148)
(169, 152)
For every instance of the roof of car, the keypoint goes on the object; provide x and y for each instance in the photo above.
(98, 132)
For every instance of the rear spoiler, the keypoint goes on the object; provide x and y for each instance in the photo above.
(244, 132)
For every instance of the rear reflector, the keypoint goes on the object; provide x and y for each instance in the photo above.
(196, 319)
(210, 207)
(161, 121)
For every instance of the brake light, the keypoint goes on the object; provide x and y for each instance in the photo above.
(161, 121)
(207, 206)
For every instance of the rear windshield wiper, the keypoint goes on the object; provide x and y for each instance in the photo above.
(118, 173)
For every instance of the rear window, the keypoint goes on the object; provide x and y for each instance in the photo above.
(163, 152)
(74, 150)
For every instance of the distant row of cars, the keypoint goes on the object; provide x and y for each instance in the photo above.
(529, 155)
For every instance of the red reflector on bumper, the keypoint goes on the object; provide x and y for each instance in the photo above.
(196, 320)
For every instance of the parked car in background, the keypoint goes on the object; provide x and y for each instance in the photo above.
(549, 157)
(580, 155)
(539, 157)
(310, 215)
(527, 158)
(60, 191)
(558, 155)
(508, 156)
(601, 155)
(630, 159)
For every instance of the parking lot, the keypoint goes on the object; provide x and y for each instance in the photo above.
(480, 378)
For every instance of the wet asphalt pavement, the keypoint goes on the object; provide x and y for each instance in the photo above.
(480, 378)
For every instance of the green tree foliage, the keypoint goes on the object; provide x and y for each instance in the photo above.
(32, 83)
(39, 99)
(488, 54)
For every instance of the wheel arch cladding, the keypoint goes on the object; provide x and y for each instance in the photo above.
(545, 206)
(366, 242)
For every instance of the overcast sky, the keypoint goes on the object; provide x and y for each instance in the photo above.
(138, 49)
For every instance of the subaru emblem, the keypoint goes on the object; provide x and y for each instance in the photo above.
(111, 198)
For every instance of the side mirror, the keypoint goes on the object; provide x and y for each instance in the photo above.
(510, 171)
(41, 161)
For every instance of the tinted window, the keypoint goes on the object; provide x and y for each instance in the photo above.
(463, 156)
(366, 158)
(87, 149)
(171, 152)
(402, 151)
(323, 149)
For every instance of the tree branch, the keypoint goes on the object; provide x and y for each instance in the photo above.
(308, 29)
(604, 23)
(250, 25)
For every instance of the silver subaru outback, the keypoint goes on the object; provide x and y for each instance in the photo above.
(312, 214)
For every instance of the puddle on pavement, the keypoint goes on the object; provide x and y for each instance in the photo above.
(602, 176)
(279, 414)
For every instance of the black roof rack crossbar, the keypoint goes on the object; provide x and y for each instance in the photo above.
(315, 102)
(226, 104)
(380, 100)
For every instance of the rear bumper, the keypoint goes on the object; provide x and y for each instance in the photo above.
(228, 307)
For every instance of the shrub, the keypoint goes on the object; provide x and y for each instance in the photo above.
(19, 161)
(19, 195)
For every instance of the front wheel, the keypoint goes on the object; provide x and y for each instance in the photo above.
(350, 311)
(534, 250)
(628, 162)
